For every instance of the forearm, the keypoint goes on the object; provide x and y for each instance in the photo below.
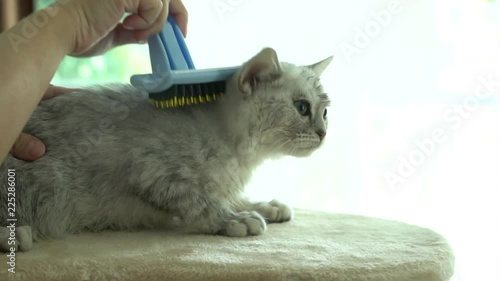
(30, 53)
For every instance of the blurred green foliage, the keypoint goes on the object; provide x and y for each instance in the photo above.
(116, 65)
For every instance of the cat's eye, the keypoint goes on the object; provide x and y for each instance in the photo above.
(303, 107)
(324, 114)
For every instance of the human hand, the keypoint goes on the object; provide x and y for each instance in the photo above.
(28, 147)
(97, 26)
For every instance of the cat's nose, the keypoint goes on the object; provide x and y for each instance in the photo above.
(321, 134)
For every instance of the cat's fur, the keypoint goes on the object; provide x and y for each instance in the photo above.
(114, 161)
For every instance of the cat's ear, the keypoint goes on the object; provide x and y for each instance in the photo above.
(264, 67)
(319, 67)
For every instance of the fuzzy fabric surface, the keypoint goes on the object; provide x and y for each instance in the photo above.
(313, 246)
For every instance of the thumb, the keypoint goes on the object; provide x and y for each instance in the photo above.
(28, 148)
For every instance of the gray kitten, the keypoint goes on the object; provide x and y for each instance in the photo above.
(115, 162)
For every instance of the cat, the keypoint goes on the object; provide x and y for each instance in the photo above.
(113, 161)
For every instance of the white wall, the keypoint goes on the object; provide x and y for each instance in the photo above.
(388, 95)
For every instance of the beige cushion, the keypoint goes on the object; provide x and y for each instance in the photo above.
(314, 246)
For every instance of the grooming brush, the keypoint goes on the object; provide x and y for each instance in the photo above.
(175, 81)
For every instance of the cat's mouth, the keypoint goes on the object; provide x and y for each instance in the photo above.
(304, 147)
(303, 152)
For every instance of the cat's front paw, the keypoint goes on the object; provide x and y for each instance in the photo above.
(244, 224)
(274, 211)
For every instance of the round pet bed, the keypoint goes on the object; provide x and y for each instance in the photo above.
(313, 246)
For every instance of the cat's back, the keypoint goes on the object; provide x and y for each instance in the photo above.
(90, 105)
(112, 110)
(119, 118)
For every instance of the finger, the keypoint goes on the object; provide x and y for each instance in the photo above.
(28, 148)
(123, 36)
(180, 14)
(146, 15)
(143, 35)
(53, 91)
(118, 37)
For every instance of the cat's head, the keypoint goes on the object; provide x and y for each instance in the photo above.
(282, 105)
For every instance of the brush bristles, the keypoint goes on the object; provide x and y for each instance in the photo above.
(184, 95)
(177, 102)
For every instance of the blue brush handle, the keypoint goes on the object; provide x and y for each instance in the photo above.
(182, 44)
(171, 63)
(175, 47)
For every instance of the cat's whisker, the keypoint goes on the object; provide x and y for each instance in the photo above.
(290, 149)
(285, 143)
(280, 142)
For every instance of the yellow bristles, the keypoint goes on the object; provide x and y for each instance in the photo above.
(182, 101)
